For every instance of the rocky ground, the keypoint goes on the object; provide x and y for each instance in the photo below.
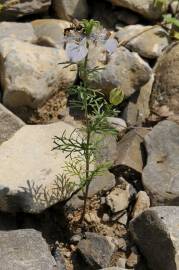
(132, 218)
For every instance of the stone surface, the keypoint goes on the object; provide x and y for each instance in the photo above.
(65, 9)
(31, 74)
(97, 250)
(137, 111)
(123, 69)
(165, 89)
(21, 31)
(117, 123)
(156, 234)
(146, 8)
(142, 203)
(129, 151)
(118, 199)
(50, 31)
(24, 250)
(29, 168)
(22, 8)
(160, 175)
(9, 124)
(139, 36)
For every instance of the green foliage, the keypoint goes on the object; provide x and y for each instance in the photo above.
(88, 26)
(86, 145)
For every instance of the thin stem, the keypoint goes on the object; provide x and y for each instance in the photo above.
(87, 156)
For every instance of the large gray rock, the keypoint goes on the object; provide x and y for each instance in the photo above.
(21, 31)
(166, 85)
(31, 73)
(139, 36)
(50, 31)
(146, 8)
(97, 250)
(156, 234)
(65, 9)
(123, 69)
(29, 169)
(9, 124)
(161, 173)
(17, 9)
(24, 250)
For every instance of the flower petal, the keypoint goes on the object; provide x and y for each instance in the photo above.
(111, 45)
(76, 52)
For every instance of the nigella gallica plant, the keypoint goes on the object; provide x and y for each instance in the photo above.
(96, 109)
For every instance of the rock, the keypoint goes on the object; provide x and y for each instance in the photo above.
(146, 8)
(20, 31)
(142, 203)
(121, 262)
(165, 89)
(122, 61)
(139, 35)
(156, 234)
(123, 219)
(50, 31)
(24, 250)
(143, 100)
(9, 124)
(130, 158)
(65, 9)
(97, 250)
(31, 185)
(75, 239)
(105, 218)
(160, 175)
(103, 12)
(126, 16)
(118, 199)
(22, 8)
(117, 123)
(31, 74)
(133, 259)
(137, 110)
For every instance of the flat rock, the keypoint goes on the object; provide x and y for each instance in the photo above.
(165, 91)
(50, 31)
(118, 199)
(97, 250)
(24, 250)
(156, 234)
(129, 151)
(20, 31)
(22, 8)
(31, 73)
(142, 203)
(139, 36)
(137, 110)
(161, 173)
(122, 61)
(146, 8)
(9, 124)
(65, 9)
(31, 183)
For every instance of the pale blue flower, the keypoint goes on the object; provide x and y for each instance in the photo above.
(76, 52)
(111, 45)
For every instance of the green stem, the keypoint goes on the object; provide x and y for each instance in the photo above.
(87, 156)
